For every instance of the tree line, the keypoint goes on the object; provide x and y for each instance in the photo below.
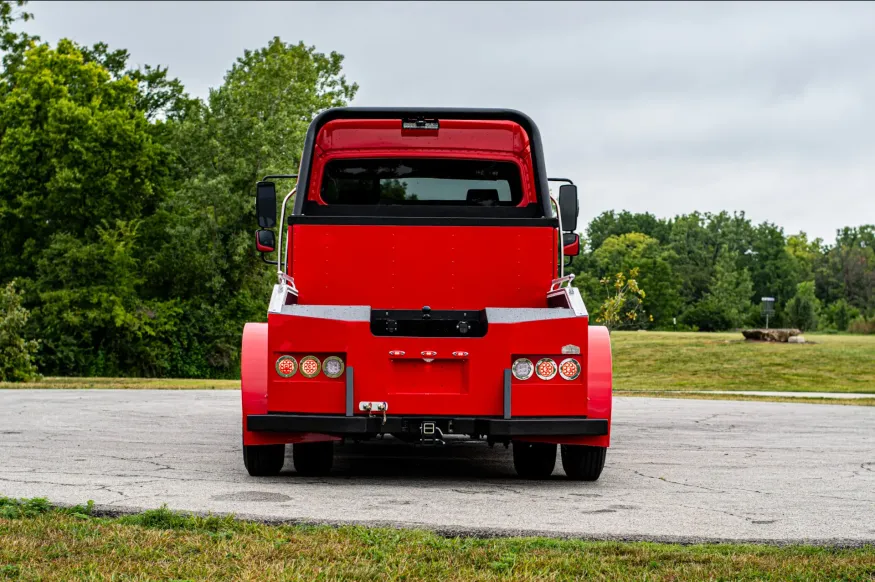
(127, 217)
(127, 206)
(709, 272)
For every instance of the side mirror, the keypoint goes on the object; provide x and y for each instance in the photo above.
(570, 244)
(568, 206)
(265, 241)
(265, 204)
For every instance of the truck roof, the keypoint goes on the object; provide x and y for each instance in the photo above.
(426, 113)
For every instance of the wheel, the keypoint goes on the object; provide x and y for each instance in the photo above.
(313, 459)
(534, 460)
(264, 460)
(583, 463)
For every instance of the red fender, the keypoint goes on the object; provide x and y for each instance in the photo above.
(253, 378)
(599, 382)
(253, 389)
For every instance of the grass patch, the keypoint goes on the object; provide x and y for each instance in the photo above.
(125, 384)
(747, 397)
(60, 544)
(658, 361)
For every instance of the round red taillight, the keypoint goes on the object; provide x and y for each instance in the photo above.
(310, 366)
(546, 369)
(569, 369)
(286, 366)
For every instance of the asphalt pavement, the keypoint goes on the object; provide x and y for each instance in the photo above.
(678, 470)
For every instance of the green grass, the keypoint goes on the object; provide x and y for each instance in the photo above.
(38, 542)
(126, 384)
(658, 361)
(747, 397)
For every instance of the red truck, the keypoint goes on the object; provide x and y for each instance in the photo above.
(421, 294)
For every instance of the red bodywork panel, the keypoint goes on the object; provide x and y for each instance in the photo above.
(344, 269)
(407, 267)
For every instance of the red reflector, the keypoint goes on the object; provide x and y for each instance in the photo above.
(545, 369)
(569, 369)
(286, 366)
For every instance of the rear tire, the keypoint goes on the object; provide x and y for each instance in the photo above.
(534, 460)
(264, 460)
(313, 459)
(583, 463)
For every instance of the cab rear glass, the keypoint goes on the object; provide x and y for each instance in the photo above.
(421, 181)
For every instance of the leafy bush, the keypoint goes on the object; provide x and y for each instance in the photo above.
(802, 309)
(708, 315)
(16, 353)
(623, 307)
(840, 314)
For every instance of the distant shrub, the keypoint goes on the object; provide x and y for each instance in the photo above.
(708, 315)
(862, 325)
(840, 314)
(803, 308)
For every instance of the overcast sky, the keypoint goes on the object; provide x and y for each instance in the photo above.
(664, 108)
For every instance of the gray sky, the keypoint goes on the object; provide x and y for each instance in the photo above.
(663, 108)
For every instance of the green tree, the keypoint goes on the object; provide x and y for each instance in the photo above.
(846, 270)
(609, 224)
(13, 43)
(803, 308)
(804, 254)
(772, 268)
(727, 304)
(75, 150)
(16, 352)
(201, 237)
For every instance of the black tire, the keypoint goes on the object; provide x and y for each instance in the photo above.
(583, 463)
(313, 459)
(534, 460)
(264, 460)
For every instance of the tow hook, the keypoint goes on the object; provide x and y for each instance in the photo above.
(431, 434)
(370, 407)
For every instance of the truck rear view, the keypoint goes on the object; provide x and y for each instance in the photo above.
(421, 294)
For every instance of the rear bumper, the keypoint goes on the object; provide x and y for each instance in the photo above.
(339, 425)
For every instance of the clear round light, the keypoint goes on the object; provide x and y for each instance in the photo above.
(569, 369)
(310, 366)
(522, 369)
(332, 367)
(286, 366)
(546, 369)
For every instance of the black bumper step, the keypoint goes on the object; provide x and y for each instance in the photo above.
(372, 425)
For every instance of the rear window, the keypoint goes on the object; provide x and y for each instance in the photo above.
(424, 181)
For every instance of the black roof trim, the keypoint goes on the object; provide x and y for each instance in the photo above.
(522, 119)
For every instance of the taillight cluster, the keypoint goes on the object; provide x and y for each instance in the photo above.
(310, 366)
(545, 369)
